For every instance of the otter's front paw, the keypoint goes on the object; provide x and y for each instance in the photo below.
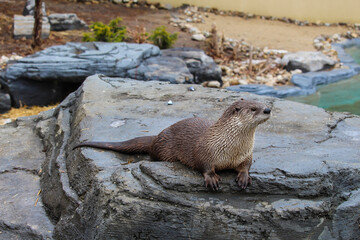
(243, 179)
(212, 180)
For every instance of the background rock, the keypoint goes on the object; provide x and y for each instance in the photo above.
(29, 8)
(168, 69)
(305, 171)
(279, 91)
(307, 61)
(22, 214)
(198, 37)
(201, 66)
(5, 102)
(66, 21)
(65, 67)
(23, 26)
(76, 61)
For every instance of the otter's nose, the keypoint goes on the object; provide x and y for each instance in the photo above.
(267, 110)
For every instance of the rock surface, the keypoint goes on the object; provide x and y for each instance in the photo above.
(168, 69)
(29, 8)
(201, 66)
(279, 91)
(198, 37)
(305, 171)
(23, 26)
(5, 102)
(307, 61)
(22, 216)
(75, 61)
(66, 21)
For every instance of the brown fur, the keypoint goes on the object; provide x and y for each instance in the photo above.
(203, 145)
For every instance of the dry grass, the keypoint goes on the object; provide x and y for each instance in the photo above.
(14, 113)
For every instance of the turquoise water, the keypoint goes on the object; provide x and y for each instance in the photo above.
(343, 96)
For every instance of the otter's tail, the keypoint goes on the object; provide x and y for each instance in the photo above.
(136, 145)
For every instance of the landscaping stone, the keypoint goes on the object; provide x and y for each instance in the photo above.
(46, 76)
(201, 66)
(169, 69)
(29, 8)
(66, 21)
(198, 37)
(307, 61)
(22, 214)
(5, 102)
(23, 26)
(75, 61)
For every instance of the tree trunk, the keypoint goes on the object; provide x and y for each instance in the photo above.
(37, 25)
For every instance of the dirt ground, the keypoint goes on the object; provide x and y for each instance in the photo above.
(259, 33)
(267, 33)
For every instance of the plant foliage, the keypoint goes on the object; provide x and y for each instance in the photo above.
(113, 32)
(163, 39)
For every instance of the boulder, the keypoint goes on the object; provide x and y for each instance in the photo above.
(65, 67)
(169, 69)
(201, 66)
(307, 61)
(22, 213)
(23, 26)
(74, 62)
(5, 102)
(29, 8)
(66, 21)
(305, 172)
(198, 37)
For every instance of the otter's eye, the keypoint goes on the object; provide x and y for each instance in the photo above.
(237, 109)
(253, 109)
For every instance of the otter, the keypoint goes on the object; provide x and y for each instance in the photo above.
(203, 145)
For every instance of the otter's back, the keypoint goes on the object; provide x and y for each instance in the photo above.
(176, 143)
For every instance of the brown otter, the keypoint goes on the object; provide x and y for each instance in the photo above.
(202, 145)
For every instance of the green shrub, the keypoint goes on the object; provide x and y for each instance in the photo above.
(163, 39)
(113, 32)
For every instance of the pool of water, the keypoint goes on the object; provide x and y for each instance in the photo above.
(343, 96)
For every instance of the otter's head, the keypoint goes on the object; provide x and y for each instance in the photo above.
(248, 113)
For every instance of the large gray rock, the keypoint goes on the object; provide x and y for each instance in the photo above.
(22, 214)
(305, 171)
(66, 21)
(23, 26)
(168, 69)
(75, 61)
(5, 102)
(201, 66)
(61, 66)
(29, 8)
(307, 61)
